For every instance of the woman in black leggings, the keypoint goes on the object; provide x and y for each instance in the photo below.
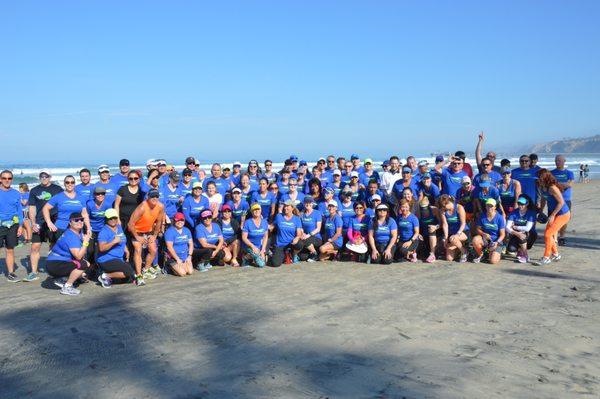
(113, 256)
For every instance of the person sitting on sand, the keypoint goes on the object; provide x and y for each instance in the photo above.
(209, 243)
(311, 240)
(288, 228)
(358, 232)
(113, 255)
(333, 232)
(230, 228)
(179, 247)
(490, 229)
(454, 227)
(383, 234)
(429, 227)
(520, 228)
(408, 233)
(254, 237)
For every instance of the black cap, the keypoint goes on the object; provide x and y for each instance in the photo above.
(153, 193)
(174, 175)
(190, 160)
(75, 215)
(124, 162)
(186, 171)
(460, 154)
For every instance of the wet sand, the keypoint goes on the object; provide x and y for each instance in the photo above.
(445, 330)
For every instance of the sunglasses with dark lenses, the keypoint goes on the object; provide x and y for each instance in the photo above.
(133, 179)
(486, 164)
(187, 174)
(44, 176)
(523, 160)
(268, 164)
(7, 178)
(77, 220)
(70, 182)
(505, 173)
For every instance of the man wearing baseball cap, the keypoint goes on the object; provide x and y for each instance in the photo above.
(120, 179)
(111, 188)
(38, 196)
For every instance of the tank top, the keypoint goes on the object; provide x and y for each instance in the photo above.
(507, 196)
(553, 203)
(146, 222)
(453, 221)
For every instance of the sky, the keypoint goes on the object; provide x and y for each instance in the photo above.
(99, 80)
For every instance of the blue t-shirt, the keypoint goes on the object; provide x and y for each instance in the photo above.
(286, 229)
(221, 184)
(383, 234)
(96, 214)
(432, 192)
(227, 230)
(65, 206)
(170, 198)
(331, 227)
(347, 212)
(10, 207)
(453, 221)
(240, 210)
(309, 222)
(492, 227)
(482, 197)
(563, 176)
(406, 226)
(255, 233)
(111, 192)
(452, 181)
(264, 202)
(180, 241)
(364, 179)
(336, 188)
(527, 178)
(522, 220)
(298, 202)
(212, 237)
(185, 190)
(494, 176)
(84, 190)
(62, 249)
(553, 203)
(119, 180)
(399, 187)
(284, 188)
(106, 235)
(361, 226)
(192, 209)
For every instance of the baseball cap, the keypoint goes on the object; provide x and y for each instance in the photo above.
(321, 159)
(309, 200)
(190, 160)
(337, 172)
(178, 216)
(196, 184)
(385, 163)
(376, 197)
(151, 162)
(161, 162)
(426, 176)
(45, 172)
(505, 169)
(99, 190)
(186, 171)
(174, 175)
(293, 158)
(236, 190)
(153, 193)
(111, 213)
(289, 202)
(466, 179)
(423, 163)
(439, 158)
(103, 168)
(406, 169)
(490, 201)
(237, 163)
(332, 203)
(205, 214)
(523, 201)
(368, 160)
(303, 163)
(255, 206)
(124, 162)
(382, 206)
(329, 190)
(225, 207)
(354, 156)
(354, 174)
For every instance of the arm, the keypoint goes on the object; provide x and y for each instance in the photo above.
(555, 192)
(117, 205)
(46, 213)
(299, 233)
(517, 185)
(86, 219)
(372, 242)
(479, 149)
(393, 239)
(79, 253)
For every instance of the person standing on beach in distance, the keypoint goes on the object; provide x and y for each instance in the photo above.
(580, 173)
(120, 179)
(11, 222)
(84, 188)
(558, 215)
(38, 196)
(491, 156)
(527, 177)
(565, 179)
(111, 188)
(145, 224)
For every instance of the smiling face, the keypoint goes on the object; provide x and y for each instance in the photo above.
(6, 179)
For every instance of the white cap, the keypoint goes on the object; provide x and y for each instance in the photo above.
(46, 171)
(332, 203)
(321, 159)
(354, 174)
(337, 172)
(237, 163)
(423, 163)
(382, 206)
(236, 190)
(376, 196)
(103, 168)
(466, 179)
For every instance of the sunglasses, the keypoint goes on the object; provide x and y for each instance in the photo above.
(187, 175)
(133, 179)
(360, 207)
(321, 162)
(98, 194)
(70, 182)
(524, 160)
(486, 164)
(44, 177)
(505, 173)
(7, 178)
(77, 220)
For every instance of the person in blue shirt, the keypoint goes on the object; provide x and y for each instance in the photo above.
(111, 188)
(288, 228)
(193, 205)
(333, 239)
(66, 261)
(235, 173)
(209, 243)
(426, 189)
(171, 196)
(180, 247)
(84, 188)
(454, 227)
(375, 201)
(283, 182)
(254, 237)
(358, 233)
(314, 189)
(266, 199)
(230, 228)
(452, 177)
(520, 228)
(346, 209)
(120, 179)
(406, 182)
(292, 195)
(246, 187)
(422, 169)
(113, 254)
(346, 172)
(509, 190)
(268, 173)
(371, 190)
(526, 175)
(564, 181)
(482, 193)
(368, 174)
(11, 222)
(322, 205)
(383, 235)
(408, 233)
(488, 172)
(186, 184)
(336, 182)
(311, 240)
(96, 209)
(490, 230)
(238, 206)
(216, 177)
(66, 203)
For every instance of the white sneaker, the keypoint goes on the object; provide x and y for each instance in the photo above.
(542, 262)
(60, 282)
(105, 280)
(477, 259)
(555, 258)
(69, 290)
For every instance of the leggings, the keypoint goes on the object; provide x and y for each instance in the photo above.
(302, 246)
(514, 242)
(204, 255)
(402, 252)
(63, 268)
(279, 255)
(551, 234)
(118, 265)
(381, 258)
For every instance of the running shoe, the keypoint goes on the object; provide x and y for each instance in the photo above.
(139, 280)
(477, 259)
(202, 267)
(69, 290)
(556, 258)
(60, 282)
(12, 277)
(413, 257)
(311, 260)
(260, 262)
(296, 259)
(207, 265)
(155, 269)
(542, 262)
(148, 274)
(463, 258)
(522, 259)
(31, 277)
(105, 280)
(430, 258)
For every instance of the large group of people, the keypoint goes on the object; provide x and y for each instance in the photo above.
(134, 225)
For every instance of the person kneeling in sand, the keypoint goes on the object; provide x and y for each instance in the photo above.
(113, 255)
(490, 233)
(180, 247)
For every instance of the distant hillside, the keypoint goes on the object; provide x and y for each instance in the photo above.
(569, 146)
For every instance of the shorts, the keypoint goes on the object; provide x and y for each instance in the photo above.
(63, 268)
(8, 236)
(499, 247)
(231, 240)
(45, 235)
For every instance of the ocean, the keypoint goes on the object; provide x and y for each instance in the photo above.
(28, 173)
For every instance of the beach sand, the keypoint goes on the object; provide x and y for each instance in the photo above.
(334, 330)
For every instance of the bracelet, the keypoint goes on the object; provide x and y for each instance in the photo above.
(86, 244)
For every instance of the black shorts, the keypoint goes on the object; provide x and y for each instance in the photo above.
(230, 240)
(45, 235)
(8, 236)
(63, 268)
(117, 265)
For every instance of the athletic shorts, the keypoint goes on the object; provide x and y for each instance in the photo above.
(8, 236)
(499, 247)
(231, 240)
(45, 235)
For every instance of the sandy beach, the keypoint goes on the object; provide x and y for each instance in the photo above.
(335, 330)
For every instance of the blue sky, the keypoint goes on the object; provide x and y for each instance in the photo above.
(101, 80)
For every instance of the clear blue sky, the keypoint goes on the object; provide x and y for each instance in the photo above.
(102, 79)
